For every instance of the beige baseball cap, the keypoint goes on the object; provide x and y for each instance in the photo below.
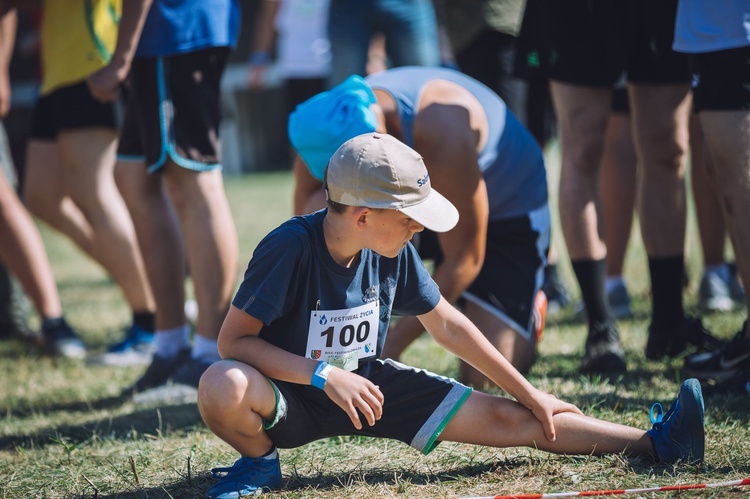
(378, 171)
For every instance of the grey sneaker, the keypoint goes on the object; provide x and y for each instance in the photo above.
(679, 435)
(713, 294)
(190, 372)
(619, 302)
(60, 340)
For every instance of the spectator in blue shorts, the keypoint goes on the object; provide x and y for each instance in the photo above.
(173, 55)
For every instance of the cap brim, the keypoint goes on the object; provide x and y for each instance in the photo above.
(435, 212)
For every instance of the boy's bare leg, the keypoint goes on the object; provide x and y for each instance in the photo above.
(233, 399)
(516, 426)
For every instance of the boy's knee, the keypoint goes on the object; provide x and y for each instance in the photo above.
(221, 386)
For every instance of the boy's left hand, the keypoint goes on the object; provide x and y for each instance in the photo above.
(544, 406)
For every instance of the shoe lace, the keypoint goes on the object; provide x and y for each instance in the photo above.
(656, 414)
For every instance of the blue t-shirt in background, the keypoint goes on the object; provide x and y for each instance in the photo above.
(179, 26)
(291, 274)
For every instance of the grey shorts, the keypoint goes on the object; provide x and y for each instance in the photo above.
(418, 405)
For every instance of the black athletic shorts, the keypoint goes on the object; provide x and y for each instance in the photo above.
(598, 42)
(69, 108)
(722, 80)
(173, 110)
(418, 405)
(513, 268)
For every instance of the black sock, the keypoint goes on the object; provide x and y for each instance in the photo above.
(591, 276)
(145, 320)
(667, 275)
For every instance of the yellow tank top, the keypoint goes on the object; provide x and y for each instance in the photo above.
(77, 38)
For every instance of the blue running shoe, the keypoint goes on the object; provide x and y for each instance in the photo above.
(248, 476)
(136, 349)
(678, 434)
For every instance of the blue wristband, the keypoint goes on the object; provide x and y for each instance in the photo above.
(320, 375)
(259, 58)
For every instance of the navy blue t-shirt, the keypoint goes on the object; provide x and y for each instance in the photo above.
(291, 276)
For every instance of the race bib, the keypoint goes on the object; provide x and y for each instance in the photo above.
(343, 337)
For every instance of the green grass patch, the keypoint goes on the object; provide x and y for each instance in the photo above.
(65, 432)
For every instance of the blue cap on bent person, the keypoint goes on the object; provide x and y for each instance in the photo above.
(378, 171)
(318, 126)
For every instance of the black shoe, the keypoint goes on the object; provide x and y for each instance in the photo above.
(603, 353)
(737, 384)
(672, 342)
(190, 372)
(725, 363)
(60, 340)
(159, 371)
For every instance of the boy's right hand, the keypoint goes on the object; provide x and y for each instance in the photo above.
(352, 392)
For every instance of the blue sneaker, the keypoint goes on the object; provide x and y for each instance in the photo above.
(248, 476)
(678, 435)
(136, 349)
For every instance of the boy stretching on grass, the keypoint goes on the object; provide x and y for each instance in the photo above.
(309, 321)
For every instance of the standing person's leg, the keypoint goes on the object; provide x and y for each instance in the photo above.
(618, 186)
(160, 242)
(411, 31)
(722, 100)
(582, 116)
(714, 292)
(14, 306)
(349, 32)
(728, 142)
(660, 129)
(210, 240)
(185, 169)
(22, 250)
(88, 156)
(70, 163)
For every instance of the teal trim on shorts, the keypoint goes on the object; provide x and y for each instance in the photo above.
(167, 144)
(131, 158)
(280, 407)
(452, 403)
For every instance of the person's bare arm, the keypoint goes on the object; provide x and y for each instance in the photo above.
(238, 340)
(456, 333)
(444, 137)
(263, 40)
(104, 84)
(8, 24)
(309, 195)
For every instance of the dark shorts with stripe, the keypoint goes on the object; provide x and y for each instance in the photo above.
(70, 108)
(513, 268)
(173, 110)
(418, 405)
(722, 80)
(598, 43)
